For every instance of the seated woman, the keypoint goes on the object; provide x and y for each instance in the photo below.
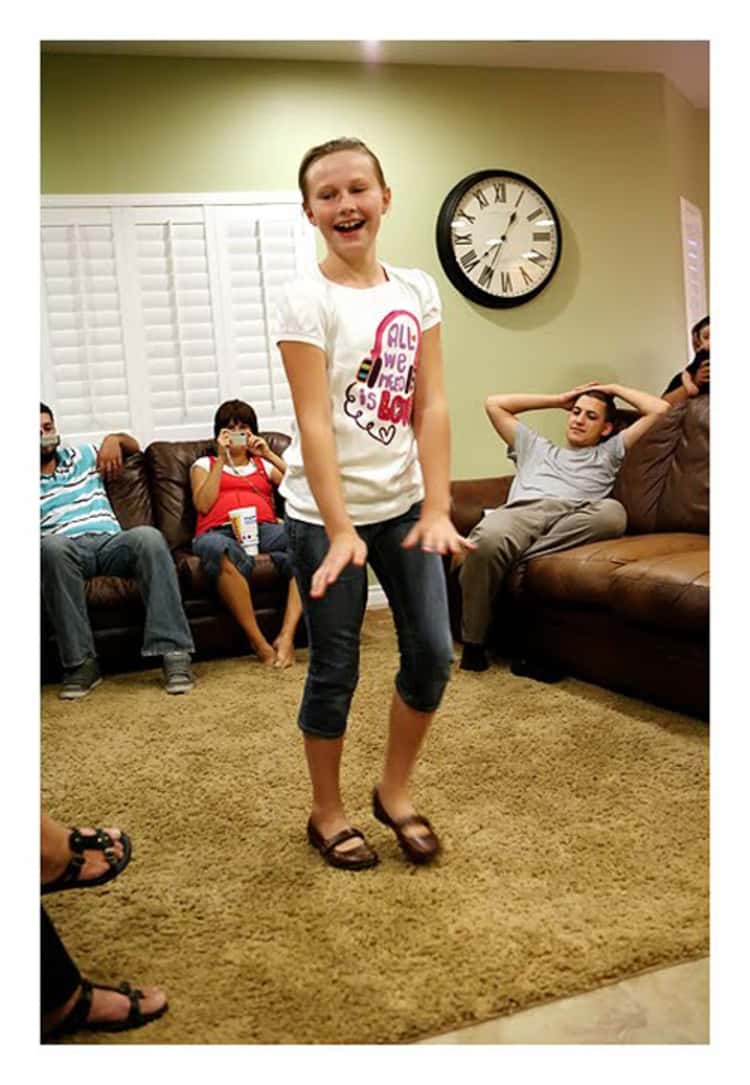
(243, 474)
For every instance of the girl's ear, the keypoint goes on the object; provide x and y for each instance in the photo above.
(309, 214)
(386, 198)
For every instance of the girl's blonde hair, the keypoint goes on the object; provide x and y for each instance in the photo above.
(345, 143)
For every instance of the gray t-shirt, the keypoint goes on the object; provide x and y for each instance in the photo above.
(568, 474)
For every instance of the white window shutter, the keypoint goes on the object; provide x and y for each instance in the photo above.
(258, 248)
(181, 364)
(694, 268)
(156, 308)
(84, 374)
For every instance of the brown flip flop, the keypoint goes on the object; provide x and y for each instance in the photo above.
(418, 849)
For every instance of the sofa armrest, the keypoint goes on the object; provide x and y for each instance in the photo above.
(471, 496)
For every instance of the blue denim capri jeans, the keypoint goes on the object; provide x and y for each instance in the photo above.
(414, 583)
(217, 541)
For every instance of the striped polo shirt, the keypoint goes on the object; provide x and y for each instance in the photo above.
(73, 499)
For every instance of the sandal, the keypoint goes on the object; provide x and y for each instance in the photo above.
(359, 858)
(418, 849)
(77, 1019)
(100, 841)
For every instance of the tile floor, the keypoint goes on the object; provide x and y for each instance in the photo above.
(667, 1006)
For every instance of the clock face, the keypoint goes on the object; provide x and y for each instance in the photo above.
(498, 238)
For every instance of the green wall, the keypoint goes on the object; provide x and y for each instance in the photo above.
(614, 152)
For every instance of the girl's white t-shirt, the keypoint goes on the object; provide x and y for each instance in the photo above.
(371, 341)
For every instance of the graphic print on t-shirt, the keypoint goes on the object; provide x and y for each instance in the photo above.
(380, 397)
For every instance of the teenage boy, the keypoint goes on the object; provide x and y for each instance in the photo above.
(558, 498)
(82, 538)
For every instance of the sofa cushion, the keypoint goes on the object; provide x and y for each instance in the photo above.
(664, 480)
(129, 493)
(669, 591)
(583, 576)
(109, 591)
(471, 496)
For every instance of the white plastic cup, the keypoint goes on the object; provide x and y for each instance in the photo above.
(245, 526)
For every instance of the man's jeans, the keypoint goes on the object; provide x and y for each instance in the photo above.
(140, 553)
(414, 583)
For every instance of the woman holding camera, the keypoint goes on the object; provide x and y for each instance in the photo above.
(243, 474)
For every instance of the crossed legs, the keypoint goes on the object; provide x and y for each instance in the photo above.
(508, 536)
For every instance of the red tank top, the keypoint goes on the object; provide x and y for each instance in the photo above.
(239, 492)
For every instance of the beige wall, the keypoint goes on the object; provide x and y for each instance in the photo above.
(613, 152)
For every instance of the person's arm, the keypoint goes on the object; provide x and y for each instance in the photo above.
(651, 407)
(686, 389)
(205, 485)
(305, 367)
(434, 529)
(113, 448)
(502, 409)
(259, 447)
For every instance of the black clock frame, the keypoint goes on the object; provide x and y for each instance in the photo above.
(452, 269)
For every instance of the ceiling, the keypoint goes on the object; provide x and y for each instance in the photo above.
(685, 63)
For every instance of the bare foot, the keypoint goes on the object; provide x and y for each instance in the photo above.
(264, 652)
(56, 853)
(109, 1006)
(284, 652)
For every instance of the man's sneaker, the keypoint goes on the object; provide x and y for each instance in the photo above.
(178, 676)
(79, 681)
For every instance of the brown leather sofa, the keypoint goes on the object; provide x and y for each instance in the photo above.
(154, 488)
(632, 613)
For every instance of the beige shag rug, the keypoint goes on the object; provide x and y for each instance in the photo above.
(574, 822)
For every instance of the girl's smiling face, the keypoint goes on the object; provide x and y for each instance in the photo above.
(345, 200)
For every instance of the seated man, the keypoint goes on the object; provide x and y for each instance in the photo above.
(558, 498)
(81, 538)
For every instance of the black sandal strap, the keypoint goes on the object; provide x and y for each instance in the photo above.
(135, 1016)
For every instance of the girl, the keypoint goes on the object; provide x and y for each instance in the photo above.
(242, 474)
(367, 479)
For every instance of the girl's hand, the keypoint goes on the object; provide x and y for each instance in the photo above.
(436, 534)
(567, 399)
(224, 439)
(348, 548)
(259, 446)
(703, 375)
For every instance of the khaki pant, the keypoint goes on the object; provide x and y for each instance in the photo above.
(511, 535)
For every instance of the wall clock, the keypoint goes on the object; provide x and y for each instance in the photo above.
(498, 238)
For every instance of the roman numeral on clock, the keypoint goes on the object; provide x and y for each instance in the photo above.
(534, 215)
(467, 216)
(485, 279)
(506, 282)
(527, 281)
(461, 239)
(542, 235)
(537, 258)
(469, 261)
(500, 196)
(481, 199)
